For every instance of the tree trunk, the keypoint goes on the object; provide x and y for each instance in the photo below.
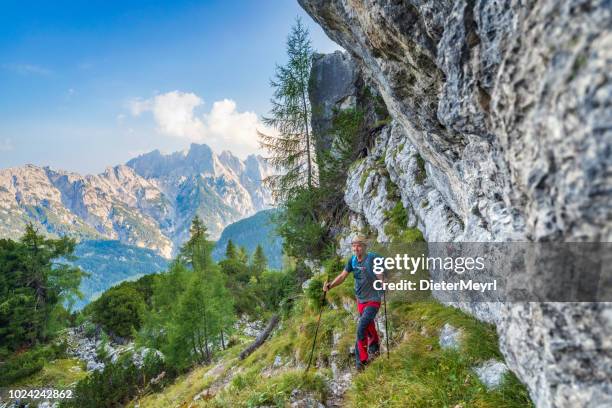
(307, 136)
(206, 337)
(261, 338)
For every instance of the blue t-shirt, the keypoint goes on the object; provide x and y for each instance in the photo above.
(364, 275)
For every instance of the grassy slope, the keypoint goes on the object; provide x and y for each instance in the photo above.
(59, 373)
(418, 373)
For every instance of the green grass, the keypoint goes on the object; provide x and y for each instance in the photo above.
(422, 174)
(421, 374)
(274, 391)
(418, 374)
(397, 226)
(60, 373)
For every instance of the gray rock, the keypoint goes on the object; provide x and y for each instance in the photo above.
(508, 105)
(333, 84)
(450, 337)
(300, 399)
(491, 373)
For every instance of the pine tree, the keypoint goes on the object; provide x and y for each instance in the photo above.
(292, 151)
(35, 281)
(230, 250)
(243, 256)
(260, 262)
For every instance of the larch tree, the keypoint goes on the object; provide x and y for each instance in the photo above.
(204, 313)
(292, 149)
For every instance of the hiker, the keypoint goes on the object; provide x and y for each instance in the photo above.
(368, 299)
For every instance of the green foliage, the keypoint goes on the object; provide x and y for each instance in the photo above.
(230, 250)
(292, 151)
(417, 374)
(305, 235)
(23, 364)
(257, 229)
(397, 226)
(118, 383)
(274, 288)
(119, 310)
(347, 127)
(259, 262)
(192, 309)
(167, 288)
(243, 255)
(275, 391)
(422, 174)
(314, 291)
(421, 374)
(34, 283)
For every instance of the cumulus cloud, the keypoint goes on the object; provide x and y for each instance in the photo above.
(222, 128)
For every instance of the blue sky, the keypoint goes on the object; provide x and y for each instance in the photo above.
(84, 85)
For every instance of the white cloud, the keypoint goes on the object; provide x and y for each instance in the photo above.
(6, 145)
(222, 128)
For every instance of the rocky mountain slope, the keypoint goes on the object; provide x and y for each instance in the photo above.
(110, 262)
(148, 202)
(498, 131)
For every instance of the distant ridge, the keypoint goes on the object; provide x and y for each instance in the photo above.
(148, 202)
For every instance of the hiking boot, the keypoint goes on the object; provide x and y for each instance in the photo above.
(373, 350)
(362, 365)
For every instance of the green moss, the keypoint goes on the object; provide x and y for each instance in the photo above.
(364, 177)
(397, 226)
(382, 122)
(355, 164)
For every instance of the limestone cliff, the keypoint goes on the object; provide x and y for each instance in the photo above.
(500, 131)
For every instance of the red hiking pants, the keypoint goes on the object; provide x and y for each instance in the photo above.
(366, 328)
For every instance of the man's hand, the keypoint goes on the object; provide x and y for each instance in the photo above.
(326, 286)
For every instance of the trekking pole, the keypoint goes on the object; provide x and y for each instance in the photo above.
(386, 322)
(314, 341)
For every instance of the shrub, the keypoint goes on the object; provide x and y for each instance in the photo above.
(24, 364)
(119, 310)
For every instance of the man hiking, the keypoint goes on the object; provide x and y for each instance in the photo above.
(368, 299)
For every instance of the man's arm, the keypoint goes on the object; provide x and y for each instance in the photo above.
(337, 281)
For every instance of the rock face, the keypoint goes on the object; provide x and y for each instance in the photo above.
(149, 202)
(500, 132)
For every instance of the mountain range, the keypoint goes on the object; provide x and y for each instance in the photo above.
(148, 202)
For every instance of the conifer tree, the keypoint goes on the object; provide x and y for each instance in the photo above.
(260, 262)
(202, 312)
(292, 150)
(243, 256)
(35, 281)
(230, 250)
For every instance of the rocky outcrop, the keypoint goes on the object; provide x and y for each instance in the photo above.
(500, 132)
